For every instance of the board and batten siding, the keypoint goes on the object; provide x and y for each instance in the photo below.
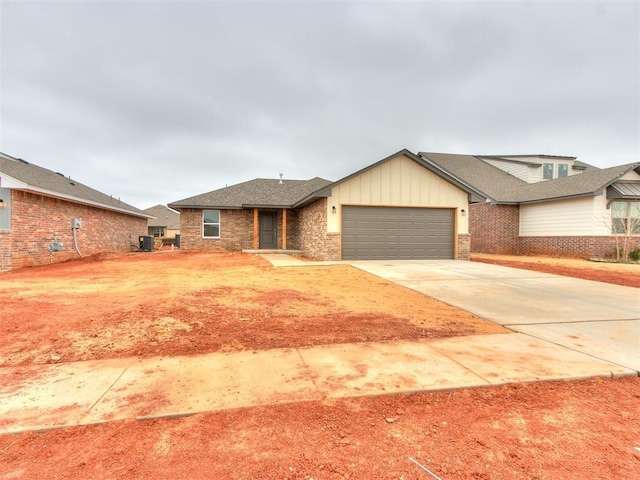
(397, 182)
(576, 217)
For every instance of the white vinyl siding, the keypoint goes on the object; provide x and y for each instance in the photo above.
(399, 182)
(576, 217)
(533, 173)
(519, 170)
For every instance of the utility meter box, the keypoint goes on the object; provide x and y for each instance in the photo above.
(76, 223)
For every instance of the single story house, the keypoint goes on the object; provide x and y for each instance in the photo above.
(165, 222)
(46, 217)
(400, 207)
(547, 205)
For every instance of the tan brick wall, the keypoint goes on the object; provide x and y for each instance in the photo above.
(314, 241)
(293, 229)
(36, 220)
(464, 246)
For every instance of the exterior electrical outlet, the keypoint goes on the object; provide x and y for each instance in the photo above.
(76, 223)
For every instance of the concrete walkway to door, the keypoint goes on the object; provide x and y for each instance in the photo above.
(597, 319)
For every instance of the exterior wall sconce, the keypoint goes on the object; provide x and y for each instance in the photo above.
(463, 212)
(333, 209)
(1, 203)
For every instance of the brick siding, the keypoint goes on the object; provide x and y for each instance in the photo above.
(37, 220)
(578, 247)
(314, 240)
(464, 246)
(236, 230)
(306, 231)
(494, 228)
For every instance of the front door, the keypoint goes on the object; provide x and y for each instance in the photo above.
(268, 230)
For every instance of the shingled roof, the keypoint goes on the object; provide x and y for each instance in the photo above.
(260, 192)
(164, 217)
(503, 188)
(28, 177)
(495, 184)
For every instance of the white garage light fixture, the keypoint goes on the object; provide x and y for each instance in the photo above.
(463, 212)
(333, 209)
(1, 203)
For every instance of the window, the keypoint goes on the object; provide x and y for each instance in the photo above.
(625, 217)
(158, 231)
(547, 171)
(211, 223)
(5, 209)
(563, 170)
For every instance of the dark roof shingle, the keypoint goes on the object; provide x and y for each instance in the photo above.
(164, 217)
(48, 182)
(260, 192)
(501, 187)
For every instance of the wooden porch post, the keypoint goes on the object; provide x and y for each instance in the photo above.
(284, 228)
(255, 229)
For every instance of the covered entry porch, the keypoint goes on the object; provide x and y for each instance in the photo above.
(273, 231)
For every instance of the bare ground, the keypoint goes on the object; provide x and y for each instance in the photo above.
(174, 303)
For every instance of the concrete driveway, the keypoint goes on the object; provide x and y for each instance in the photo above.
(598, 319)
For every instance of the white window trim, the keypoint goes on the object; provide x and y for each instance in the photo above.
(218, 223)
(630, 223)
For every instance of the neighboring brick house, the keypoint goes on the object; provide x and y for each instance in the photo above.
(46, 217)
(548, 205)
(165, 222)
(398, 208)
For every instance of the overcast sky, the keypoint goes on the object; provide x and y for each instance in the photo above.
(155, 101)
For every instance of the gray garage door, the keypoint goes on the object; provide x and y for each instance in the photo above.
(393, 233)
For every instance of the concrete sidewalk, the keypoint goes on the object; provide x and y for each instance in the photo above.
(82, 393)
(555, 344)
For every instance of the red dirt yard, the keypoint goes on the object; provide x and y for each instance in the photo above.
(172, 303)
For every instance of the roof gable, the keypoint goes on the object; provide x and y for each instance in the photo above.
(22, 175)
(164, 217)
(473, 192)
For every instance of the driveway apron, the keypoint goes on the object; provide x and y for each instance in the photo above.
(594, 318)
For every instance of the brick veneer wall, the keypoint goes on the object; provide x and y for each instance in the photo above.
(236, 230)
(36, 220)
(293, 230)
(494, 228)
(575, 246)
(314, 241)
(464, 246)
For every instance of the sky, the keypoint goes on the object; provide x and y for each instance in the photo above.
(156, 101)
